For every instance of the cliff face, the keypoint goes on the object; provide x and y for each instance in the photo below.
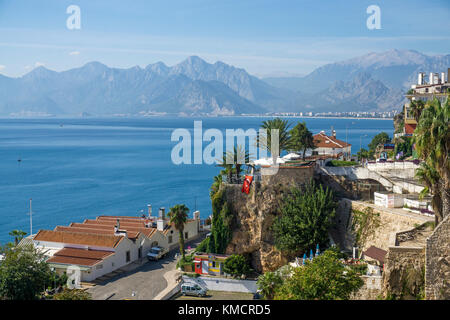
(255, 214)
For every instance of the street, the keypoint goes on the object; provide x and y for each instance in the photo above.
(146, 281)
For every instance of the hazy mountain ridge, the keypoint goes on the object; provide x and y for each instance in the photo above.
(376, 81)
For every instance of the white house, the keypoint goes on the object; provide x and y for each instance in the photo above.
(99, 246)
(329, 145)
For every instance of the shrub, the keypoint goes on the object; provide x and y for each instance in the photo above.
(236, 265)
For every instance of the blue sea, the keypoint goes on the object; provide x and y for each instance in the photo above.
(75, 169)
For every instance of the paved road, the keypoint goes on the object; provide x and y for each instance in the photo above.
(146, 280)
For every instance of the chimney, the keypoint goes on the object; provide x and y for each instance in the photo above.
(118, 224)
(420, 80)
(197, 215)
(162, 215)
(333, 133)
(149, 206)
(161, 222)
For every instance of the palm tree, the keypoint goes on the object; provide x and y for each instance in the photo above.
(301, 138)
(228, 167)
(237, 158)
(18, 236)
(429, 176)
(417, 107)
(432, 139)
(284, 142)
(178, 216)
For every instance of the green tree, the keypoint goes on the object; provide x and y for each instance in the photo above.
(178, 216)
(380, 138)
(363, 154)
(323, 278)
(301, 138)
(72, 294)
(284, 142)
(24, 274)
(268, 284)
(236, 265)
(217, 181)
(432, 139)
(306, 216)
(18, 236)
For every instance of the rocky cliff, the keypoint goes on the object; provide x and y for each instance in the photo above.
(255, 213)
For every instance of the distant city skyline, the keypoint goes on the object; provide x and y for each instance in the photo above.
(264, 37)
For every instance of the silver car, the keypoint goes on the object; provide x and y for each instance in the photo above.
(192, 289)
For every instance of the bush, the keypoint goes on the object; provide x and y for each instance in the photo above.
(236, 265)
(323, 278)
(72, 294)
(306, 216)
(339, 163)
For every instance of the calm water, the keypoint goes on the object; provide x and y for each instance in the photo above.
(89, 167)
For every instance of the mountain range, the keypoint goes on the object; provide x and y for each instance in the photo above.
(373, 82)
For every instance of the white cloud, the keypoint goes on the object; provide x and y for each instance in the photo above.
(74, 53)
(39, 64)
(2, 67)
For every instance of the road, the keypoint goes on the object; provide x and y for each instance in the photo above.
(146, 281)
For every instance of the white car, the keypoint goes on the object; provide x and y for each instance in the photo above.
(156, 253)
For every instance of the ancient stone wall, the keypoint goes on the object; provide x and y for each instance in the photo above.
(371, 290)
(437, 268)
(390, 223)
(404, 272)
(287, 175)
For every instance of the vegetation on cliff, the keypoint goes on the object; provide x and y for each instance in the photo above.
(222, 220)
(326, 277)
(364, 224)
(306, 216)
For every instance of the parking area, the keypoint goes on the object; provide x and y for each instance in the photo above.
(217, 295)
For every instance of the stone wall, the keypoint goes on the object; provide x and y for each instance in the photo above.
(437, 269)
(390, 224)
(286, 175)
(404, 272)
(371, 290)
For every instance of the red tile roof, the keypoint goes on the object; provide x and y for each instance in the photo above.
(79, 256)
(375, 253)
(321, 140)
(98, 240)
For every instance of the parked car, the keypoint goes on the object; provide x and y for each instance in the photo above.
(192, 289)
(156, 253)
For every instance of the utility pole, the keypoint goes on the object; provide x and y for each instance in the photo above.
(31, 217)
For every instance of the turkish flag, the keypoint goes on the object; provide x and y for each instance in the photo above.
(247, 182)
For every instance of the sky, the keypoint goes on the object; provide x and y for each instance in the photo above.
(265, 37)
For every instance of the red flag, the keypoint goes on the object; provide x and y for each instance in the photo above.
(247, 182)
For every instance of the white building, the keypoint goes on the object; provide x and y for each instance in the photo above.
(99, 246)
(330, 145)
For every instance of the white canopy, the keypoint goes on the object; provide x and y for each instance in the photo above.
(291, 156)
(268, 161)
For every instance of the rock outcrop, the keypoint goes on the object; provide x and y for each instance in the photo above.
(255, 213)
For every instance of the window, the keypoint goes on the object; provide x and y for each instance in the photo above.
(170, 239)
(128, 256)
(213, 264)
(186, 235)
(100, 266)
